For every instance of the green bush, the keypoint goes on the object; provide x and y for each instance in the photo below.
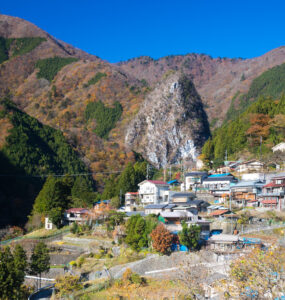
(49, 67)
(106, 117)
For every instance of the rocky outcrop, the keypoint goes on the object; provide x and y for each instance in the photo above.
(171, 124)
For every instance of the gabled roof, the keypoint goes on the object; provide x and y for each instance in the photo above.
(196, 174)
(155, 206)
(176, 214)
(269, 201)
(182, 195)
(222, 178)
(156, 182)
(249, 183)
(219, 212)
(77, 210)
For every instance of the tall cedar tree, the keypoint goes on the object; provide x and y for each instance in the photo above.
(12, 272)
(40, 260)
(161, 239)
(189, 236)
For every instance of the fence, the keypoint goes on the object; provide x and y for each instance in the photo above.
(47, 239)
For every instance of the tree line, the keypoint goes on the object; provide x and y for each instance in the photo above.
(15, 264)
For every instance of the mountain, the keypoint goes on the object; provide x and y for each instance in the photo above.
(29, 149)
(217, 80)
(103, 109)
(259, 113)
(171, 124)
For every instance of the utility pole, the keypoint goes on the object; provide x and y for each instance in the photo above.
(260, 147)
(120, 197)
(226, 155)
(147, 171)
(164, 174)
(170, 172)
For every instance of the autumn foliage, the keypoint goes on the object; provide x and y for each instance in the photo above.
(161, 239)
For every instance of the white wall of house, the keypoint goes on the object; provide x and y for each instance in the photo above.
(151, 193)
(48, 224)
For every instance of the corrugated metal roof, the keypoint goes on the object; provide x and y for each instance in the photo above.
(155, 206)
(178, 195)
(176, 214)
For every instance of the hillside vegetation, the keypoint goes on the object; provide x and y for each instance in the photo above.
(49, 67)
(271, 83)
(17, 46)
(106, 117)
(263, 121)
(30, 150)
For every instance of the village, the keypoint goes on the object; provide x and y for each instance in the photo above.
(238, 208)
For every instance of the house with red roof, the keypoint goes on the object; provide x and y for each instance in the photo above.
(273, 193)
(153, 192)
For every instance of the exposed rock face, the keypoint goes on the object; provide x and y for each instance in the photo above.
(171, 124)
(217, 80)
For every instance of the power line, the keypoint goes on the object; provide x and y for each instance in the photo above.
(59, 175)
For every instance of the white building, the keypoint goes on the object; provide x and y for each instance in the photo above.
(48, 224)
(193, 180)
(279, 147)
(131, 202)
(153, 192)
(250, 166)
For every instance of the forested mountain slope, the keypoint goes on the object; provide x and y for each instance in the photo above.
(255, 117)
(29, 149)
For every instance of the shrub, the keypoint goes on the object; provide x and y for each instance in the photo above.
(81, 261)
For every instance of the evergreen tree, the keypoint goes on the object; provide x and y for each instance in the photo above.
(8, 278)
(189, 236)
(127, 180)
(40, 260)
(20, 260)
(82, 192)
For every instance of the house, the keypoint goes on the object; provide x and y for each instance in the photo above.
(273, 193)
(131, 201)
(153, 192)
(193, 180)
(154, 208)
(219, 184)
(279, 147)
(79, 215)
(252, 165)
(247, 192)
(172, 221)
(179, 197)
(223, 242)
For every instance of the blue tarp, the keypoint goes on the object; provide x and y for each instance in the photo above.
(219, 175)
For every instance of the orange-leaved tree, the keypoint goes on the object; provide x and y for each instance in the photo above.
(259, 127)
(161, 239)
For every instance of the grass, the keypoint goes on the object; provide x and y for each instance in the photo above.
(43, 233)
(154, 289)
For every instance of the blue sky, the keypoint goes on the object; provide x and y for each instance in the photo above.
(122, 29)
